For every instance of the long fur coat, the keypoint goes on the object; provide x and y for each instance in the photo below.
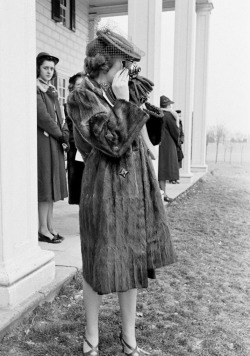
(123, 227)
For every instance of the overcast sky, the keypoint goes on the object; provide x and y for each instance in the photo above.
(229, 63)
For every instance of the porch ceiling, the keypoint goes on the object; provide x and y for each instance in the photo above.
(120, 7)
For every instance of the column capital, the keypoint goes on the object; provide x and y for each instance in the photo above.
(204, 8)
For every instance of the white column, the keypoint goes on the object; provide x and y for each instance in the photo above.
(200, 89)
(144, 28)
(24, 267)
(93, 23)
(184, 73)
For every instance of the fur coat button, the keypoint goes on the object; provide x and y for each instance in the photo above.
(123, 172)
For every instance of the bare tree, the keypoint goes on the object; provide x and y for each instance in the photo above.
(243, 143)
(220, 134)
(231, 150)
(210, 137)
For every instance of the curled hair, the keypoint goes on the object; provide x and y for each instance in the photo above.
(39, 62)
(97, 58)
(73, 79)
(101, 62)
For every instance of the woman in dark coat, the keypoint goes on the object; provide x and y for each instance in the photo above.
(51, 136)
(123, 227)
(74, 166)
(168, 168)
(180, 154)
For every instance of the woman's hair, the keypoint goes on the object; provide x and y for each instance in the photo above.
(73, 79)
(97, 59)
(39, 62)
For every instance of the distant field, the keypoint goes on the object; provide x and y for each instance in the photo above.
(240, 153)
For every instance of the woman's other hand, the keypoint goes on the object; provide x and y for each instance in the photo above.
(120, 84)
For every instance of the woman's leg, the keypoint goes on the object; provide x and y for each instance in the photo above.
(127, 302)
(50, 218)
(43, 211)
(162, 184)
(92, 302)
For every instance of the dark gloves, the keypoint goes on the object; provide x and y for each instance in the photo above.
(139, 89)
(63, 140)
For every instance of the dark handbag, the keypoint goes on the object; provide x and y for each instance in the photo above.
(154, 123)
(180, 154)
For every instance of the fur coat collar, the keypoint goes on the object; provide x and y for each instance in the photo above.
(43, 86)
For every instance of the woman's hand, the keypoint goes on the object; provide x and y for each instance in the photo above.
(120, 84)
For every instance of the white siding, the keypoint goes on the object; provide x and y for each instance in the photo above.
(56, 39)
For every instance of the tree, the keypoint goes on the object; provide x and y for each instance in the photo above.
(210, 137)
(220, 135)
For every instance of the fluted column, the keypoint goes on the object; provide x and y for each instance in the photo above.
(144, 28)
(184, 56)
(24, 267)
(200, 89)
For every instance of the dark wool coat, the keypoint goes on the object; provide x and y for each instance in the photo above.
(52, 184)
(180, 154)
(168, 168)
(74, 168)
(123, 227)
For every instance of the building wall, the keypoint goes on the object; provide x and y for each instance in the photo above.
(67, 45)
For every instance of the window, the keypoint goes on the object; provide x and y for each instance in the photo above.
(63, 11)
(61, 88)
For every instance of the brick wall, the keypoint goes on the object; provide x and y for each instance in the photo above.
(58, 40)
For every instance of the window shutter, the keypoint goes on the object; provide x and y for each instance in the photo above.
(73, 15)
(56, 14)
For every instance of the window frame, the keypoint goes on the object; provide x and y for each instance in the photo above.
(68, 19)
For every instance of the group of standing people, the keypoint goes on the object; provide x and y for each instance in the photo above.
(123, 225)
(170, 150)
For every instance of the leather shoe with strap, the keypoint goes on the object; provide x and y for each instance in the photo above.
(94, 349)
(134, 351)
(44, 238)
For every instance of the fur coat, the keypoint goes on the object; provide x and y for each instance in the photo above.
(52, 185)
(123, 227)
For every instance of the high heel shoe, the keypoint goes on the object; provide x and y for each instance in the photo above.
(135, 351)
(44, 238)
(58, 236)
(94, 349)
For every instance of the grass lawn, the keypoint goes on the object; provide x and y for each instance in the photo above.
(199, 306)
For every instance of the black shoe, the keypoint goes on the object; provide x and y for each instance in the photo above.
(167, 199)
(44, 238)
(58, 237)
(172, 182)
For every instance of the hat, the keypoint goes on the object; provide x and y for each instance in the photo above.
(47, 56)
(164, 101)
(120, 44)
(178, 111)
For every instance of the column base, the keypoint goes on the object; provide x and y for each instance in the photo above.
(186, 178)
(199, 168)
(15, 288)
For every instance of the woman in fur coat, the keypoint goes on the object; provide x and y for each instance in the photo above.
(51, 136)
(123, 227)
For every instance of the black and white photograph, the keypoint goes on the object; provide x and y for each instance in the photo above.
(124, 177)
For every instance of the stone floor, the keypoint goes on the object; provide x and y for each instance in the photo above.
(67, 256)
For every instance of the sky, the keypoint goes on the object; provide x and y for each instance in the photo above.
(228, 96)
